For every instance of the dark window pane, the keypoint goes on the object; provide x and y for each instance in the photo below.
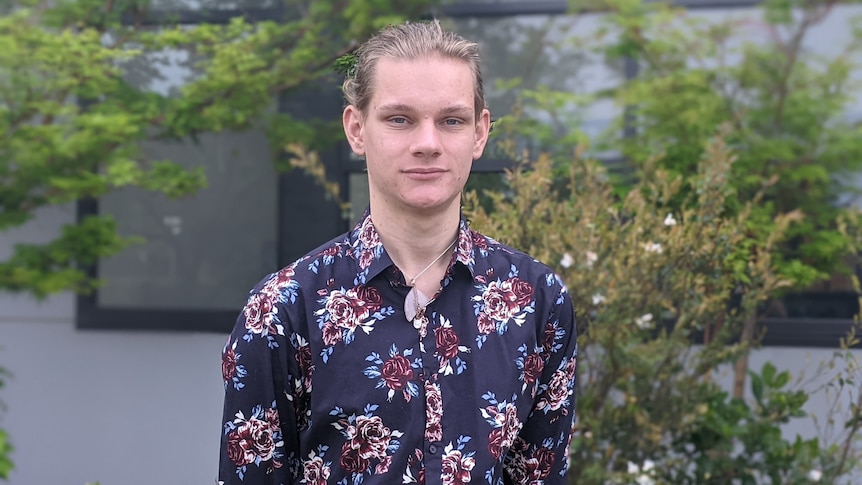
(203, 251)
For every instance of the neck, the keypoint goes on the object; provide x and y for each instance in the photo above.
(414, 240)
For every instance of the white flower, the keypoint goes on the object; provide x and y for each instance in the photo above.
(567, 261)
(643, 322)
(598, 298)
(642, 478)
(815, 475)
(588, 435)
(591, 258)
(653, 248)
(669, 220)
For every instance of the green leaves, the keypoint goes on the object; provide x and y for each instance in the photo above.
(57, 266)
(76, 105)
(786, 106)
(778, 12)
(5, 451)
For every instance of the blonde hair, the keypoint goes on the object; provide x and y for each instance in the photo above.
(411, 40)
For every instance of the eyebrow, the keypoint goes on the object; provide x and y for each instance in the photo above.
(457, 109)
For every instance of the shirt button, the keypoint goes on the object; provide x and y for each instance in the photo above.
(432, 449)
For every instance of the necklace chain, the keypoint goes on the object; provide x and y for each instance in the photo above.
(413, 280)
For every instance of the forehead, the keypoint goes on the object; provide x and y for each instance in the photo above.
(430, 82)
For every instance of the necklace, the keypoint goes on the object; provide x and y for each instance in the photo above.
(416, 301)
(412, 281)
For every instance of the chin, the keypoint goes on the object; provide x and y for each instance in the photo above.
(431, 206)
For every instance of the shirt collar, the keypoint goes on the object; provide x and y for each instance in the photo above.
(372, 259)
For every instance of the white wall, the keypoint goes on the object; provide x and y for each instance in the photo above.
(121, 407)
(807, 372)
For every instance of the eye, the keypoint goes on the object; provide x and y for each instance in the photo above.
(398, 120)
(453, 122)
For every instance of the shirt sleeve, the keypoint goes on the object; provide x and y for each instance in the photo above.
(540, 453)
(264, 392)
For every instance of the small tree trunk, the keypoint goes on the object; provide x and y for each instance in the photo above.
(741, 366)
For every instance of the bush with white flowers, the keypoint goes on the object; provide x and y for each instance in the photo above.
(663, 301)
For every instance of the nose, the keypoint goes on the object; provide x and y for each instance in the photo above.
(426, 141)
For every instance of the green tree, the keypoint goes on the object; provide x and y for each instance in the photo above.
(73, 124)
(787, 104)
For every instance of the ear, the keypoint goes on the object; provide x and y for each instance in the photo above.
(483, 128)
(352, 121)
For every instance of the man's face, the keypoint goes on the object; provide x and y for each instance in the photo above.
(419, 135)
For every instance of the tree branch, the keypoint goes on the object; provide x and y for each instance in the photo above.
(812, 17)
(848, 442)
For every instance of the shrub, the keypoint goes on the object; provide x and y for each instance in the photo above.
(664, 300)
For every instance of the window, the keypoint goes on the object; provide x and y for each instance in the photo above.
(202, 253)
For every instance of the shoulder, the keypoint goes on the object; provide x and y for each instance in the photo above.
(271, 300)
(314, 266)
(503, 262)
(495, 256)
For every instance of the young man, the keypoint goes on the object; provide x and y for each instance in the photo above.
(411, 349)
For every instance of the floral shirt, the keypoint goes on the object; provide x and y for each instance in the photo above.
(327, 382)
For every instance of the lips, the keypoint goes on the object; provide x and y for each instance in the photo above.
(424, 173)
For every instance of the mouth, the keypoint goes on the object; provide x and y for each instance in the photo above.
(424, 173)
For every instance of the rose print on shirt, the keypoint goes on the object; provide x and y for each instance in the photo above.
(395, 373)
(415, 472)
(457, 464)
(551, 338)
(433, 412)
(466, 244)
(261, 316)
(480, 243)
(302, 355)
(554, 396)
(369, 442)
(531, 366)
(254, 440)
(315, 471)
(448, 348)
(231, 370)
(500, 302)
(325, 258)
(530, 465)
(261, 312)
(281, 286)
(343, 311)
(503, 417)
(367, 248)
